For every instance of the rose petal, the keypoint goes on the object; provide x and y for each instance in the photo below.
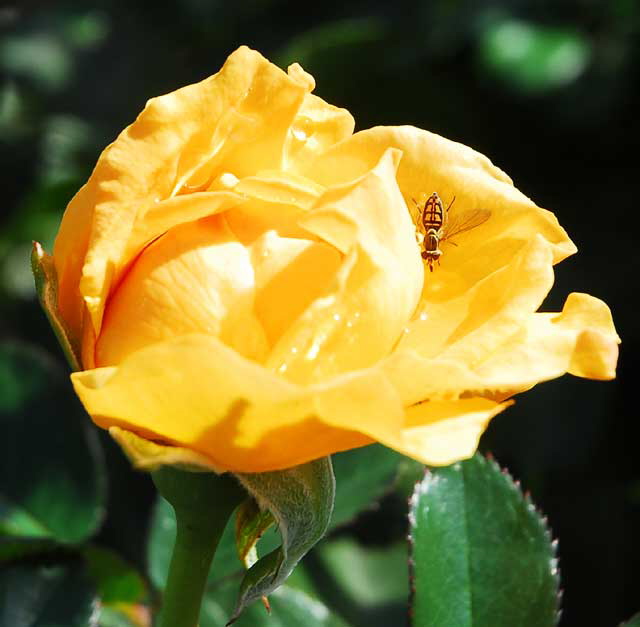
(439, 433)
(194, 392)
(360, 317)
(275, 200)
(238, 118)
(432, 163)
(165, 214)
(468, 326)
(289, 275)
(148, 455)
(281, 188)
(195, 279)
(580, 340)
(318, 126)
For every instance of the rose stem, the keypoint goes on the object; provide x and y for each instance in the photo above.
(203, 502)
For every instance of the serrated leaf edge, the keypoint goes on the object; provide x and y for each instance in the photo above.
(422, 487)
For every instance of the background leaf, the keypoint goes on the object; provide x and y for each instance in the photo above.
(363, 475)
(52, 482)
(481, 554)
(366, 584)
(532, 57)
(369, 575)
(115, 580)
(47, 596)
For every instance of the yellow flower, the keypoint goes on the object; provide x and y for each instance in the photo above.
(243, 283)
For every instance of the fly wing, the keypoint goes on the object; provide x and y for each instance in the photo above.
(465, 221)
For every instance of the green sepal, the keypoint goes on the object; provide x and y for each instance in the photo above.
(481, 555)
(46, 280)
(301, 502)
(291, 607)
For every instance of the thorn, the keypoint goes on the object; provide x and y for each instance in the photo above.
(267, 605)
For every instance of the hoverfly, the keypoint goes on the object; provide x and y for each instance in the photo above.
(438, 227)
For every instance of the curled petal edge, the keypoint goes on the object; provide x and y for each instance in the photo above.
(147, 455)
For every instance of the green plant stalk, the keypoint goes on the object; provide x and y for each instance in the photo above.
(203, 503)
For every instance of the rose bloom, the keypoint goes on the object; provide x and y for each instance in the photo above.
(243, 285)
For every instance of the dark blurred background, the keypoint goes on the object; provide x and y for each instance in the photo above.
(548, 89)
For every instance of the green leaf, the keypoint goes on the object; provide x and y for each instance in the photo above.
(289, 607)
(52, 477)
(115, 580)
(301, 501)
(634, 621)
(363, 476)
(14, 548)
(47, 596)
(369, 576)
(531, 57)
(481, 554)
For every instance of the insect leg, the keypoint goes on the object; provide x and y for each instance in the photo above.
(452, 201)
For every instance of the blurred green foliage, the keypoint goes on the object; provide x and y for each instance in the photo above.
(549, 89)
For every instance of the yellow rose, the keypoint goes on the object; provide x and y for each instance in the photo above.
(242, 282)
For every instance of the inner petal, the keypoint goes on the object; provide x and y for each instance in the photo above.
(197, 278)
(290, 273)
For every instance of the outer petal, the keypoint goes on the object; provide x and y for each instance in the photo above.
(237, 120)
(580, 340)
(442, 432)
(433, 163)
(361, 316)
(148, 455)
(196, 393)
(469, 327)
